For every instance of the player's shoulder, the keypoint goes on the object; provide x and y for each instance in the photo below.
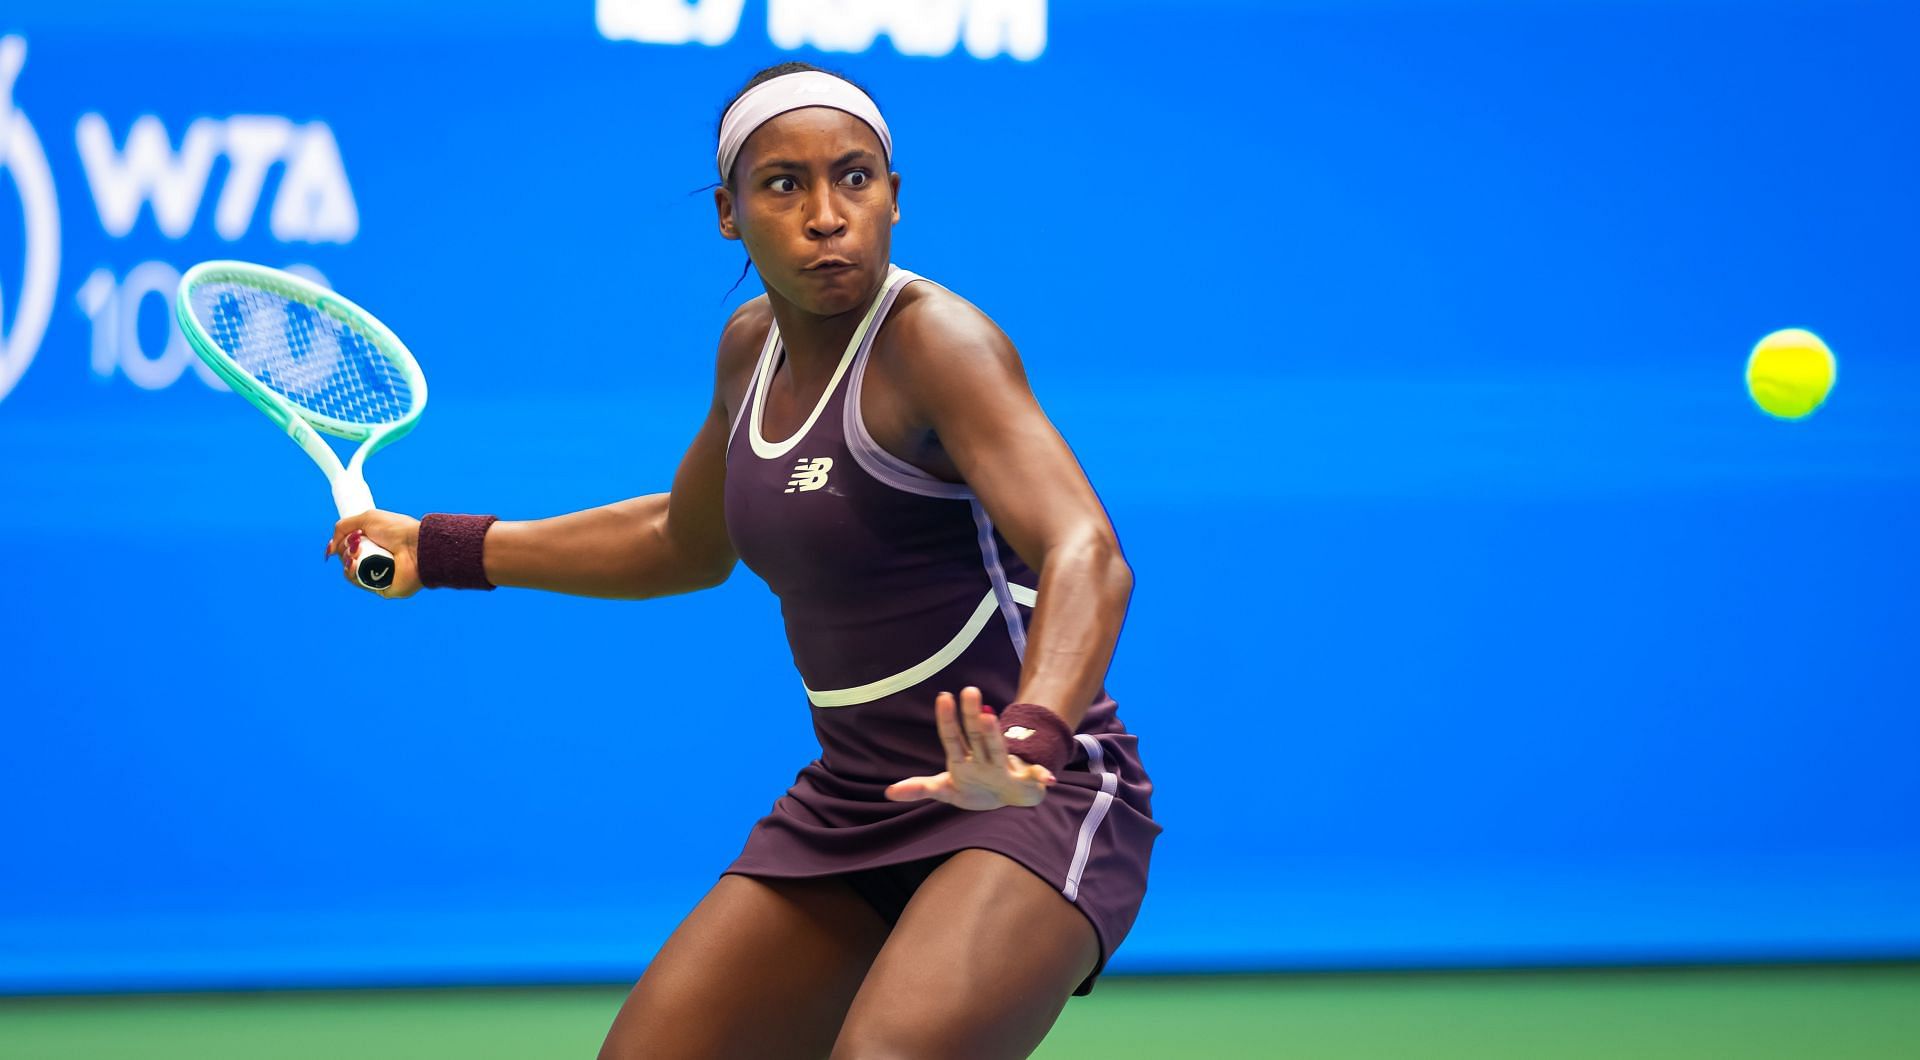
(745, 332)
(930, 325)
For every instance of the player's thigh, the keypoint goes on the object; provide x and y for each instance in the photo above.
(978, 967)
(760, 968)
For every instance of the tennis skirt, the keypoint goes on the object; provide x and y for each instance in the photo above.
(1090, 838)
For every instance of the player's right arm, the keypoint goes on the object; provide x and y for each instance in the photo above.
(656, 545)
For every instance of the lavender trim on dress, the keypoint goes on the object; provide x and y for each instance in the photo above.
(997, 574)
(869, 454)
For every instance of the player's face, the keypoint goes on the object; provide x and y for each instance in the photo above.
(815, 205)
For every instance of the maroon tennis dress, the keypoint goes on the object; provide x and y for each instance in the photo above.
(895, 587)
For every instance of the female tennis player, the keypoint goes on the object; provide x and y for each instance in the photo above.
(972, 843)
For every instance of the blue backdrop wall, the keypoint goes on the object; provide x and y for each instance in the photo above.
(1480, 617)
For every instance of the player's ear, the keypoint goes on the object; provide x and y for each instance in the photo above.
(723, 205)
(894, 179)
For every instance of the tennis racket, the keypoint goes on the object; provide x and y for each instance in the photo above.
(316, 364)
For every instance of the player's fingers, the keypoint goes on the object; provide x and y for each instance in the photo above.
(975, 726)
(346, 562)
(914, 789)
(1026, 794)
(349, 551)
(1032, 772)
(344, 529)
(994, 734)
(944, 719)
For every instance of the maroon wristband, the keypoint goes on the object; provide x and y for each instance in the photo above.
(1037, 735)
(450, 551)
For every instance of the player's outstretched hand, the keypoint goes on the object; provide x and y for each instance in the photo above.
(398, 534)
(980, 774)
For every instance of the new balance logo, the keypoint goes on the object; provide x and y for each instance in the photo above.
(809, 475)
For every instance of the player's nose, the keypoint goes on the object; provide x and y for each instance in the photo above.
(825, 218)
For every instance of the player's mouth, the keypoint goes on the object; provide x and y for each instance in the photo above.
(829, 265)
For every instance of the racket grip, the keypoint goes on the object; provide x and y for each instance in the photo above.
(351, 496)
(373, 566)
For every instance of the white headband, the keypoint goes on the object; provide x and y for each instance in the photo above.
(808, 88)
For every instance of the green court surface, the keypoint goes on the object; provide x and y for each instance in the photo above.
(1824, 1012)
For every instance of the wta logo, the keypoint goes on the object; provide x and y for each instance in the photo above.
(23, 159)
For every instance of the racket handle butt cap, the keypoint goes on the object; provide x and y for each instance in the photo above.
(373, 566)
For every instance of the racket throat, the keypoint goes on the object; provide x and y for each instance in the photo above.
(351, 495)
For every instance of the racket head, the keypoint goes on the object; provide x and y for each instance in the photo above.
(300, 351)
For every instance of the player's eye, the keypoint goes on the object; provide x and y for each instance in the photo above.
(856, 178)
(783, 184)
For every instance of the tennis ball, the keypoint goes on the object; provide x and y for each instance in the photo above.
(1789, 373)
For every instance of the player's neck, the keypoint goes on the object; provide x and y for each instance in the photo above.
(814, 344)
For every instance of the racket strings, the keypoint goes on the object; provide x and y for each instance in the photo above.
(310, 357)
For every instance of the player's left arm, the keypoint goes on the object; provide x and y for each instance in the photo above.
(964, 378)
